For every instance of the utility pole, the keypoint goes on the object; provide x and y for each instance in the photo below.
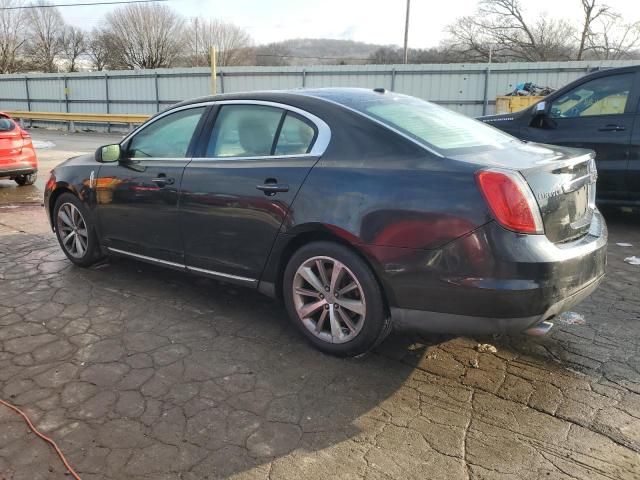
(406, 34)
(213, 71)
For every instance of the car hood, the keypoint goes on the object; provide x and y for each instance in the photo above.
(503, 117)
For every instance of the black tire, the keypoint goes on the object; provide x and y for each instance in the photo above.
(376, 322)
(26, 179)
(91, 253)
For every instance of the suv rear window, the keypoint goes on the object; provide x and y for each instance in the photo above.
(6, 124)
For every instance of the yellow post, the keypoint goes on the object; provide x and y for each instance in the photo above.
(213, 71)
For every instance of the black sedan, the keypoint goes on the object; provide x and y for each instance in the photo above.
(360, 209)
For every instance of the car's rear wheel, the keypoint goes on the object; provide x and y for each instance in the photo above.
(333, 297)
(75, 233)
(26, 179)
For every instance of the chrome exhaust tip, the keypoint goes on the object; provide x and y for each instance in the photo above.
(539, 330)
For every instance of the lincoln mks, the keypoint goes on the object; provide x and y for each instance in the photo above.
(361, 210)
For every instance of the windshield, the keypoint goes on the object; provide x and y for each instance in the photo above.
(437, 128)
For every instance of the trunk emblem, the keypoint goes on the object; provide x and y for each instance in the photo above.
(551, 194)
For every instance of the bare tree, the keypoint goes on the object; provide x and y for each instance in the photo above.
(12, 35)
(146, 35)
(592, 11)
(74, 44)
(386, 55)
(230, 41)
(45, 29)
(503, 27)
(99, 49)
(613, 38)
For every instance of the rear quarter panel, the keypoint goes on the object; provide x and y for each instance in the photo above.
(384, 195)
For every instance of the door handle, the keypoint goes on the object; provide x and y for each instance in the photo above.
(162, 179)
(612, 128)
(270, 188)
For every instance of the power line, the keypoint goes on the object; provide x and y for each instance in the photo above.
(89, 4)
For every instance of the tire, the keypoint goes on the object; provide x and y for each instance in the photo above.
(70, 218)
(348, 319)
(26, 179)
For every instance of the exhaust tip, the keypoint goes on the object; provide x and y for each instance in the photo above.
(539, 330)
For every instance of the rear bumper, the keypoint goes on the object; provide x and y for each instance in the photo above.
(14, 172)
(437, 322)
(491, 280)
(24, 163)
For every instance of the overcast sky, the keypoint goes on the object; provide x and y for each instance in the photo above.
(372, 21)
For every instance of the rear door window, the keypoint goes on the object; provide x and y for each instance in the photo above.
(244, 131)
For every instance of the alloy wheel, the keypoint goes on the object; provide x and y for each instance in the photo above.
(329, 299)
(72, 230)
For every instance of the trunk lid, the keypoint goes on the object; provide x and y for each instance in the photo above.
(562, 179)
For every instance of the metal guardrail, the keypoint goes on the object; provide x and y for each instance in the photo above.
(71, 118)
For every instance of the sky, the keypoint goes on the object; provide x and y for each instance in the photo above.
(371, 21)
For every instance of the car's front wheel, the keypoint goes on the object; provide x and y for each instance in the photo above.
(333, 297)
(75, 233)
(26, 179)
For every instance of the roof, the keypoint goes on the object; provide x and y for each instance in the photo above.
(323, 94)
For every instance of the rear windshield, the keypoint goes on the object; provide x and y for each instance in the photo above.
(438, 128)
(6, 124)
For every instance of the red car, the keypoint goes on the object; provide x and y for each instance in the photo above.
(17, 156)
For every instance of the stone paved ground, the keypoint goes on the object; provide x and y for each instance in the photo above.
(139, 372)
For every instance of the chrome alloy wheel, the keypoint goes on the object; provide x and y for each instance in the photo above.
(329, 299)
(72, 230)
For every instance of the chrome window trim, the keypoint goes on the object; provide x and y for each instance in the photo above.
(183, 266)
(319, 146)
(263, 157)
(375, 120)
(157, 159)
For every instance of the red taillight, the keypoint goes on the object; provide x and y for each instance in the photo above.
(510, 200)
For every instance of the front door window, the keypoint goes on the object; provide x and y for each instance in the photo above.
(601, 96)
(167, 137)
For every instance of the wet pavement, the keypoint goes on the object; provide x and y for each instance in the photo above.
(52, 148)
(143, 373)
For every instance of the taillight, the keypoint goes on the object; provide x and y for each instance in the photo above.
(510, 200)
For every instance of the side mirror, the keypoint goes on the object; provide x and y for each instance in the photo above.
(541, 108)
(108, 153)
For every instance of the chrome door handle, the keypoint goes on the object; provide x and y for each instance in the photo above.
(612, 128)
(273, 188)
(163, 180)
